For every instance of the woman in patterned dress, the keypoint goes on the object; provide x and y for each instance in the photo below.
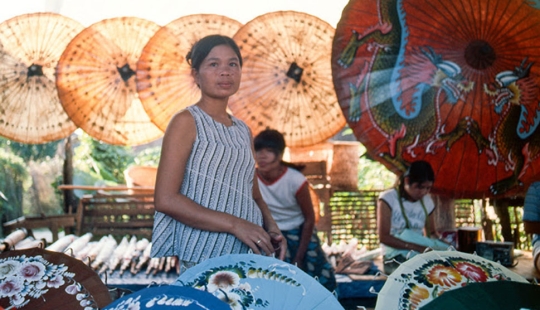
(207, 198)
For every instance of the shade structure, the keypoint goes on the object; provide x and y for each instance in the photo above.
(96, 81)
(425, 277)
(30, 47)
(40, 279)
(164, 80)
(455, 84)
(252, 281)
(287, 78)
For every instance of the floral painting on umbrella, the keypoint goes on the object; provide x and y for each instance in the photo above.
(455, 84)
(41, 279)
(427, 276)
(251, 281)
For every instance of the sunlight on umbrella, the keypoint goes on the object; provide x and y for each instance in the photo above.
(30, 47)
(287, 79)
(164, 80)
(96, 83)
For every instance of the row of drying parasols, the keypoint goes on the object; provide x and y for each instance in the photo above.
(121, 79)
(106, 255)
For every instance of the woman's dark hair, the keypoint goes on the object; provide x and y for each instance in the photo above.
(419, 171)
(273, 140)
(202, 48)
(270, 139)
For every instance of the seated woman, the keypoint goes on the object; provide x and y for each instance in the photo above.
(286, 192)
(405, 217)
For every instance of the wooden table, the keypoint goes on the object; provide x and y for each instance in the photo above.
(523, 265)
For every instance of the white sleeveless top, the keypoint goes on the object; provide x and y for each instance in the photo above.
(219, 176)
(280, 196)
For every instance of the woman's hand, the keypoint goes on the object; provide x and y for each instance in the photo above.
(254, 236)
(279, 242)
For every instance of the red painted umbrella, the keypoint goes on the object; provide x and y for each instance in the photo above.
(164, 80)
(30, 47)
(96, 83)
(453, 83)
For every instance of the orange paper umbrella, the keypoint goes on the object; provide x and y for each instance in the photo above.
(46, 280)
(30, 47)
(453, 83)
(164, 80)
(96, 83)
(287, 79)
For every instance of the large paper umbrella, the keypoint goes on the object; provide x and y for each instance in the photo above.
(426, 276)
(250, 281)
(287, 78)
(96, 82)
(453, 83)
(169, 297)
(164, 80)
(500, 295)
(47, 280)
(30, 47)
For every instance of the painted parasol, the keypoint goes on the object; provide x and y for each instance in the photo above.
(286, 78)
(251, 281)
(169, 297)
(96, 83)
(47, 280)
(30, 47)
(455, 84)
(164, 80)
(419, 280)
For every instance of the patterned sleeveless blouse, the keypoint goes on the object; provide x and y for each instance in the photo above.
(219, 176)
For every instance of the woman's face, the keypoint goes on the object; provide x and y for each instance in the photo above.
(220, 73)
(267, 160)
(417, 190)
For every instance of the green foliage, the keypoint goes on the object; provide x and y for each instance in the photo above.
(14, 182)
(32, 152)
(100, 161)
(148, 157)
(373, 175)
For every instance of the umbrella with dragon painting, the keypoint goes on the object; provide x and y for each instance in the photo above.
(164, 81)
(426, 276)
(251, 281)
(453, 83)
(30, 47)
(40, 279)
(96, 81)
(287, 78)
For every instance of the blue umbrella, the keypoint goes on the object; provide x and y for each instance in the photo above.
(168, 297)
(256, 282)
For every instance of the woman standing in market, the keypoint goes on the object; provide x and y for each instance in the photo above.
(207, 199)
(286, 191)
(405, 218)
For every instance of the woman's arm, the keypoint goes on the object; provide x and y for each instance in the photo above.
(176, 148)
(275, 236)
(304, 200)
(384, 215)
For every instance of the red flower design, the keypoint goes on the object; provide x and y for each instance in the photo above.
(471, 271)
(443, 276)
